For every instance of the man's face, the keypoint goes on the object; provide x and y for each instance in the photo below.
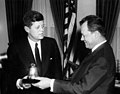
(87, 36)
(36, 31)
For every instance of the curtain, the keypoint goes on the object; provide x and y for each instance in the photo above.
(108, 10)
(116, 42)
(15, 10)
(3, 29)
(57, 7)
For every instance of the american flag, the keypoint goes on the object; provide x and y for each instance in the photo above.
(69, 36)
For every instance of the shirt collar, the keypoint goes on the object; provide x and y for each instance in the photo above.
(32, 42)
(96, 46)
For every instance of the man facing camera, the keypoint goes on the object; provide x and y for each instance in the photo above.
(96, 74)
(35, 53)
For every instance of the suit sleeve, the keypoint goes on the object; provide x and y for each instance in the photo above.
(12, 68)
(94, 76)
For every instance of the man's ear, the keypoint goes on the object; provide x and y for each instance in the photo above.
(26, 29)
(96, 34)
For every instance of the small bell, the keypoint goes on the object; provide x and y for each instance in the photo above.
(33, 71)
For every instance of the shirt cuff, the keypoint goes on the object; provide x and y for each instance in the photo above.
(18, 83)
(51, 85)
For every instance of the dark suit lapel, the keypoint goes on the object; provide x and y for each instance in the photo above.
(44, 51)
(28, 52)
(81, 71)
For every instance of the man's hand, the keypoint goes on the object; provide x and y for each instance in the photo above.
(21, 85)
(43, 83)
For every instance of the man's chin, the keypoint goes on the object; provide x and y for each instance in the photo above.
(87, 46)
(41, 37)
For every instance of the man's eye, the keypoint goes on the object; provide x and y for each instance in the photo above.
(42, 26)
(38, 27)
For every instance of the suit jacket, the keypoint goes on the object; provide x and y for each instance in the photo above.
(20, 57)
(95, 75)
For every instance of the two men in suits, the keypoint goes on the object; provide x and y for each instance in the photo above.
(21, 54)
(96, 74)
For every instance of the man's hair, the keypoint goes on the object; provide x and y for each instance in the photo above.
(32, 16)
(94, 23)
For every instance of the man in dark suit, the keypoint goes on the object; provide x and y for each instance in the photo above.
(96, 74)
(21, 54)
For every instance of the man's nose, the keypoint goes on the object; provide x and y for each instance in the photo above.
(41, 29)
(82, 38)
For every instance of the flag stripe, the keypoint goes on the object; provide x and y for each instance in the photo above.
(69, 35)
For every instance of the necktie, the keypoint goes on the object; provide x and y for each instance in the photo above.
(38, 61)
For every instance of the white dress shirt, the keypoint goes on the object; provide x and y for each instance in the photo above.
(96, 46)
(32, 44)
